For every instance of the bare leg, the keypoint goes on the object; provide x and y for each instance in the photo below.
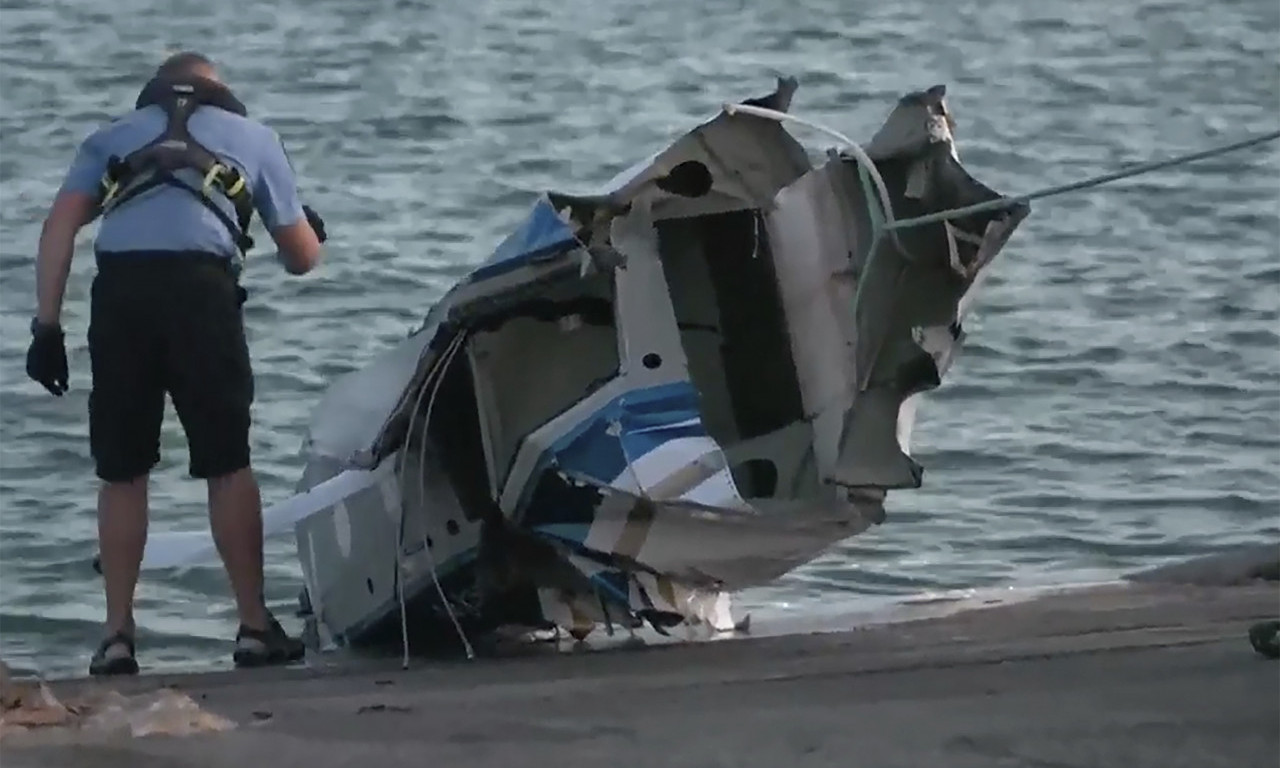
(122, 536)
(235, 514)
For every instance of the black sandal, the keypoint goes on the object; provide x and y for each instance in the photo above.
(115, 656)
(260, 648)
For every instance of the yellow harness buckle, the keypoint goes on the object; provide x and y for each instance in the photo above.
(110, 188)
(219, 174)
(212, 176)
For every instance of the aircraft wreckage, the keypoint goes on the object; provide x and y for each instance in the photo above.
(684, 384)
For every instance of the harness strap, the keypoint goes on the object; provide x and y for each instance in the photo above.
(157, 163)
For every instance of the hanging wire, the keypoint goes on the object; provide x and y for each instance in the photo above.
(452, 352)
(432, 380)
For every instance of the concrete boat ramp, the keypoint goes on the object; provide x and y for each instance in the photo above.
(1153, 671)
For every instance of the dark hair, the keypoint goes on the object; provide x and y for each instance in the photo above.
(184, 64)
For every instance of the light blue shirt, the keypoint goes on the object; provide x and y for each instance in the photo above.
(165, 218)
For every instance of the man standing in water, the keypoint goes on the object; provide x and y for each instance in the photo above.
(176, 182)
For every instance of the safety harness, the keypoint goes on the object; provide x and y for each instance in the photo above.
(158, 162)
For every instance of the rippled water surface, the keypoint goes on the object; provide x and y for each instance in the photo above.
(1117, 404)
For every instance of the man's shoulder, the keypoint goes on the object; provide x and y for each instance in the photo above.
(148, 120)
(235, 129)
(135, 126)
(247, 126)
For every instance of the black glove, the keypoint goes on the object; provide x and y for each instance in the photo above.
(47, 358)
(316, 222)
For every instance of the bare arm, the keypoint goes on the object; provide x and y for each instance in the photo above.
(276, 195)
(298, 246)
(71, 210)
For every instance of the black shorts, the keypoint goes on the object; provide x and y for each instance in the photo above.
(167, 323)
